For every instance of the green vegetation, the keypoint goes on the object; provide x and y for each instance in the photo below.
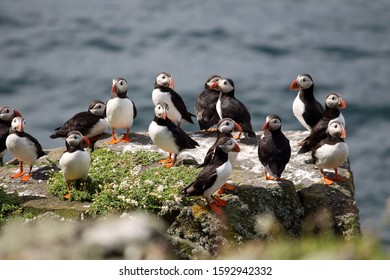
(8, 204)
(122, 182)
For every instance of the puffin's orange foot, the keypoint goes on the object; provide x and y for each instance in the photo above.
(17, 175)
(226, 187)
(211, 129)
(67, 196)
(216, 209)
(268, 177)
(219, 202)
(26, 177)
(328, 181)
(126, 139)
(164, 161)
(238, 136)
(169, 165)
(113, 141)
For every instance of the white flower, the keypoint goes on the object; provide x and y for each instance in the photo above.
(149, 182)
(160, 188)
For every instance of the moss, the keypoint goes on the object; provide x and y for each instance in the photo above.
(8, 204)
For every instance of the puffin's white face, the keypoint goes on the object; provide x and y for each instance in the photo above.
(272, 122)
(304, 81)
(334, 100)
(225, 86)
(336, 129)
(161, 110)
(6, 113)
(213, 81)
(119, 85)
(98, 109)
(165, 80)
(229, 145)
(74, 139)
(226, 125)
(18, 124)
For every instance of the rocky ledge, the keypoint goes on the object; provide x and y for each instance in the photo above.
(300, 205)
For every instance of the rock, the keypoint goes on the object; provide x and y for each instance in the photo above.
(257, 210)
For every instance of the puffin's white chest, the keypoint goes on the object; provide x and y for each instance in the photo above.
(75, 165)
(223, 173)
(159, 96)
(331, 156)
(99, 127)
(298, 108)
(120, 113)
(219, 109)
(21, 148)
(163, 138)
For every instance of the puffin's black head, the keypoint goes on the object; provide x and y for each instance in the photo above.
(303, 81)
(7, 113)
(164, 79)
(76, 139)
(211, 80)
(334, 100)
(98, 108)
(227, 145)
(272, 123)
(336, 129)
(119, 87)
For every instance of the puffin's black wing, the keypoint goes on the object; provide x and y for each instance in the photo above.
(205, 180)
(274, 152)
(181, 138)
(180, 106)
(317, 134)
(81, 122)
(313, 113)
(237, 111)
(209, 156)
(205, 108)
(38, 146)
(134, 109)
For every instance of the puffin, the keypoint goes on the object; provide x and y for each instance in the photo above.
(169, 137)
(23, 146)
(225, 128)
(91, 123)
(214, 175)
(333, 103)
(6, 116)
(205, 103)
(229, 107)
(332, 151)
(75, 161)
(306, 108)
(120, 110)
(274, 148)
(163, 93)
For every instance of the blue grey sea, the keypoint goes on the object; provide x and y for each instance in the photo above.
(57, 56)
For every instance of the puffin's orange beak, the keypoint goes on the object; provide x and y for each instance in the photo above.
(238, 127)
(294, 85)
(236, 148)
(214, 85)
(165, 115)
(20, 127)
(266, 126)
(87, 141)
(343, 132)
(171, 83)
(342, 104)
(113, 89)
